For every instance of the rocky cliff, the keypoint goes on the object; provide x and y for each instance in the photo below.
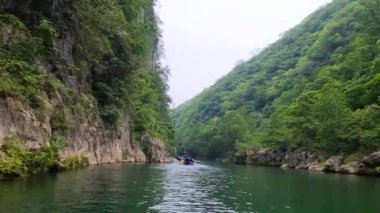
(93, 141)
(83, 79)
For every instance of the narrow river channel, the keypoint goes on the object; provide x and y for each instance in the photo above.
(207, 187)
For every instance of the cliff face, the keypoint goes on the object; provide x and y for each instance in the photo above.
(82, 77)
(93, 141)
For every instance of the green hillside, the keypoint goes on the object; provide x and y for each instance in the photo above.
(316, 88)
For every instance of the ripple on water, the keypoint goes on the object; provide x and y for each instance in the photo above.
(190, 189)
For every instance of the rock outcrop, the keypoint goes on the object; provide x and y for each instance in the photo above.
(350, 168)
(266, 157)
(157, 151)
(372, 160)
(301, 159)
(93, 141)
(18, 120)
(316, 162)
(333, 163)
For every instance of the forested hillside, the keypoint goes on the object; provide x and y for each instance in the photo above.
(80, 81)
(317, 88)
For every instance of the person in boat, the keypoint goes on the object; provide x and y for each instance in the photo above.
(188, 160)
(180, 159)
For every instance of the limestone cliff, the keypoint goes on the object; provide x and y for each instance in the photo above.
(83, 77)
(91, 140)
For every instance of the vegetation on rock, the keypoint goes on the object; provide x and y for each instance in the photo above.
(19, 161)
(75, 162)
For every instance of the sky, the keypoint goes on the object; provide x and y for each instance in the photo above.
(204, 39)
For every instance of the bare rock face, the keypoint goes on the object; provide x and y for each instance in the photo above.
(298, 159)
(101, 145)
(93, 141)
(134, 155)
(157, 151)
(266, 157)
(372, 160)
(18, 120)
(301, 159)
(333, 163)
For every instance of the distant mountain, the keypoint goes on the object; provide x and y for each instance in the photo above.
(316, 88)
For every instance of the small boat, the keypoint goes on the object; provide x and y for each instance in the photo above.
(185, 160)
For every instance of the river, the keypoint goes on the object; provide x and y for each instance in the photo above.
(207, 187)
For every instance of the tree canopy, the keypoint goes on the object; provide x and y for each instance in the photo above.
(316, 88)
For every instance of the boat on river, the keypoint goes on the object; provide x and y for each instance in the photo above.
(186, 160)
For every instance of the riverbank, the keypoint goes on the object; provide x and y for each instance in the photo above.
(74, 163)
(357, 163)
(17, 160)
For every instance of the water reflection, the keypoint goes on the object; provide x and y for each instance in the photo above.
(107, 188)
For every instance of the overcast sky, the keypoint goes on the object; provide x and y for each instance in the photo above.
(204, 39)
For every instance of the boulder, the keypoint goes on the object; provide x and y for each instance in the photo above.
(317, 167)
(266, 157)
(240, 157)
(333, 163)
(285, 166)
(302, 159)
(372, 160)
(350, 168)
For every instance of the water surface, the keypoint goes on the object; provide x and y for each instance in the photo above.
(200, 188)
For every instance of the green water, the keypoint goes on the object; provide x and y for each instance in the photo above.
(200, 188)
